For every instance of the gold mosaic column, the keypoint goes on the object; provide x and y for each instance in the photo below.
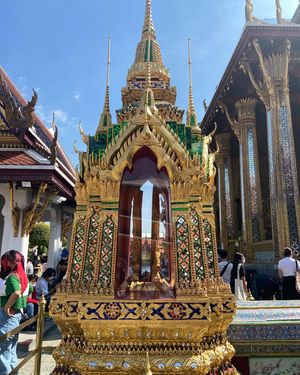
(252, 214)
(284, 192)
(250, 177)
(225, 188)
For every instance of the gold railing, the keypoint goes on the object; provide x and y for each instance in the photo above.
(39, 318)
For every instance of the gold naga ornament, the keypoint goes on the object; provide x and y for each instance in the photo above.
(144, 304)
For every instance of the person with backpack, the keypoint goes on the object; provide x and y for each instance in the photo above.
(13, 298)
(225, 267)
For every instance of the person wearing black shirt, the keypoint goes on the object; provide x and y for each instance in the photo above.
(238, 263)
(62, 265)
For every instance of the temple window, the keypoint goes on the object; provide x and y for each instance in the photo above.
(144, 238)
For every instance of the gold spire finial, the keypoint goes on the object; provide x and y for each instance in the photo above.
(191, 100)
(140, 68)
(147, 111)
(106, 101)
(148, 78)
(148, 27)
(105, 119)
(191, 112)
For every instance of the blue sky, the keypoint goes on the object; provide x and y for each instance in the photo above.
(59, 47)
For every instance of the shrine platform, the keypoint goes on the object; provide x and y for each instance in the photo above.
(266, 336)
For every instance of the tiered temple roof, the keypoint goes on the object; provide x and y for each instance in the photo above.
(28, 150)
(147, 56)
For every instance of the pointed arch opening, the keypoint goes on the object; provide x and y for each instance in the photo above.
(144, 253)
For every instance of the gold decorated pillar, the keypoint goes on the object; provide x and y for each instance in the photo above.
(252, 214)
(225, 189)
(284, 192)
(250, 176)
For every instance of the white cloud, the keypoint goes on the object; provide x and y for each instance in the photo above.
(46, 116)
(24, 91)
(77, 96)
(60, 115)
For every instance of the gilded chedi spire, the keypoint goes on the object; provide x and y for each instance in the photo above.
(137, 74)
(147, 111)
(105, 119)
(191, 117)
(148, 23)
(142, 48)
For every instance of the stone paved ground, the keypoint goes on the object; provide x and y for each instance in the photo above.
(51, 339)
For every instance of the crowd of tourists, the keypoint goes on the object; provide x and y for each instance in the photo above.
(253, 285)
(21, 289)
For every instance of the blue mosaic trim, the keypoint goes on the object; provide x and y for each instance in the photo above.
(143, 311)
(132, 310)
(280, 332)
(268, 304)
(267, 311)
(266, 315)
(268, 349)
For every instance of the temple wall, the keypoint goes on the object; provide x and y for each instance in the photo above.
(10, 242)
(265, 335)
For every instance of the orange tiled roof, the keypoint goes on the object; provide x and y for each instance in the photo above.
(16, 158)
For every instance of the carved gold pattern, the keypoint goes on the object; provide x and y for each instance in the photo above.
(65, 227)
(34, 211)
(244, 128)
(225, 188)
(15, 215)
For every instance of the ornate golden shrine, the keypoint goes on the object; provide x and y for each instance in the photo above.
(120, 311)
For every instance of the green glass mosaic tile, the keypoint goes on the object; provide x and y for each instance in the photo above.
(181, 132)
(173, 126)
(194, 138)
(109, 135)
(146, 51)
(104, 119)
(188, 136)
(116, 130)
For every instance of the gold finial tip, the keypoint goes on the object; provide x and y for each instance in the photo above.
(147, 365)
(189, 51)
(105, 118)
(148, 23)
(191, 113)
(108, 62)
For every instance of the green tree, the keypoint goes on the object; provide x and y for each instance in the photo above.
(39, 236)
